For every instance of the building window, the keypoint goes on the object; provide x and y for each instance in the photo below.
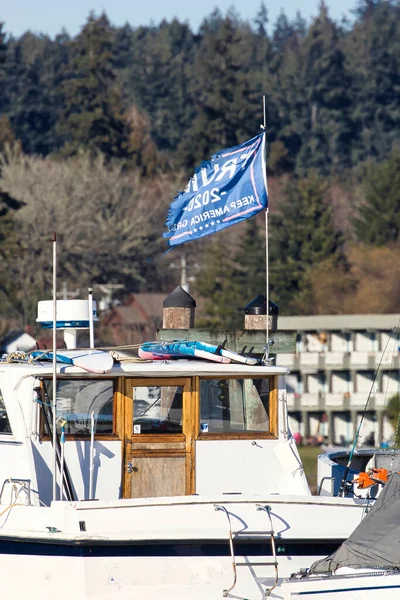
(294, 384)
(316, 382)
(76, 400)
(157, 409)
(5, 428)
(234, 405)
(340, 382)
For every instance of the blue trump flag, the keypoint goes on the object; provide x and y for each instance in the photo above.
(229, 188)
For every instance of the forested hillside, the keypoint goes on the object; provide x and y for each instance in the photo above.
(98, 133)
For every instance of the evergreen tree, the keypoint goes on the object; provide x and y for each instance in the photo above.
(315, 99)
(219, 91)
(216, 284)
(3, 58)
(261, 79)
(302, 235)
(34, 95)
(158, 78)
(365, 8)
(378, 220)
(285, 83)
(92, 118)
(122, 58)
(373, 57)
(327, 141)
(261, 20)
(250, 267)
(283, 33)
(8, 204)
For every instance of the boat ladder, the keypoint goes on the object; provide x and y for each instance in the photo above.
(274, 563)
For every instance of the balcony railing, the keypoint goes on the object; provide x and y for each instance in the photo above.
(339, 361)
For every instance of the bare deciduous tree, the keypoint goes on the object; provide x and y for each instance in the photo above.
(108, 223)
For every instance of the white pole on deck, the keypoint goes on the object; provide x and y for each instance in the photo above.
(91, 467)
(266, 246)
(62, 441)
(91, 327)
(54, 407)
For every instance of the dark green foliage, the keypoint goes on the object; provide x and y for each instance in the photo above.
(92, 119)
(365, 8)
(373, 57)
(328, 134)
(302, 235)
(332, 93)
(216, 283)
(250, 265)
(283, 33)
(156, 79)
(122, 58)
(34, 94)
(220, 90)
(378, 220)
(315, 99)
(3, 57)
(261, 20)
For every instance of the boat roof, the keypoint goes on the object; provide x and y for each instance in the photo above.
(141, 368)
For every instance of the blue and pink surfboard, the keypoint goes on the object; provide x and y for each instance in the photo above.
(195, 349)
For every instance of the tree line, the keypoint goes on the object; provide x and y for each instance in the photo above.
(99, 131)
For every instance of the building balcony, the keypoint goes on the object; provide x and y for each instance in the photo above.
(336, 401)
(310, 359)
(336, 361)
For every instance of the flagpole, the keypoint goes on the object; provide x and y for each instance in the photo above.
(266, 354)
(54, 403)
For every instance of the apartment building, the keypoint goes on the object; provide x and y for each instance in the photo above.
(345, 366)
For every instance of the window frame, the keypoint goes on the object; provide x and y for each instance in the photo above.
(241, 435)
(161, 382)
(45, 437)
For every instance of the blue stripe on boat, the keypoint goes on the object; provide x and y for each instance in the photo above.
(54, 547)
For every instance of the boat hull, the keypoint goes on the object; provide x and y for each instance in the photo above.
(142, 577)
(355, 586)
(171, 548)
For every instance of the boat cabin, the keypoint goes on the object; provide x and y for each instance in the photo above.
(132, 428)
(148, 429)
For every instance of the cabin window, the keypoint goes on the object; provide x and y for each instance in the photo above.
(234, 405)
(5, 428)
(77, 399)
(157, 409)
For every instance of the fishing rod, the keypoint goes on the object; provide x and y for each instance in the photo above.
(42, 397)
(356, 438)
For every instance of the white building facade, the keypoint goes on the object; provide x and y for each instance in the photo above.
(346, 367)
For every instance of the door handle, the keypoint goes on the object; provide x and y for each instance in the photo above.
(129, 467)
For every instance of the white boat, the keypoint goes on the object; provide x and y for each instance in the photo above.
(168, 479)
(367, 565)
(339, 468)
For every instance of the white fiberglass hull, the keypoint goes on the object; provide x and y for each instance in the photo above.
(355, 586)
(142, 578)
(170, 548)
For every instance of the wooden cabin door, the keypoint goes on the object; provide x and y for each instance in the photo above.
(159, 438)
